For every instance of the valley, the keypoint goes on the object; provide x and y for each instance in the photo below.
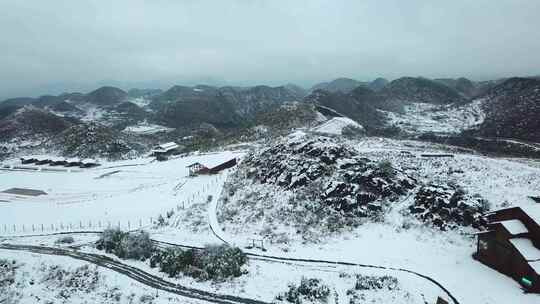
(371, 193)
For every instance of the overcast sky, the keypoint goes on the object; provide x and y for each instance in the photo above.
(50, 46)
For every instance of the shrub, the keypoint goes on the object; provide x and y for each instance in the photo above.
(386, 168)
(68, 281)
(213, 263)
(65, 240)
(136, 245)
(173, 261)
(375, 282)
(161, 221)
(312, 290)
(223, 261)
(7, 273)
(110, 239)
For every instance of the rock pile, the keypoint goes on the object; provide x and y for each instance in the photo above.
(447, 207)
(336, 176)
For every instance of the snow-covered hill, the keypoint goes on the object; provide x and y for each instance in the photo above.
(336, 125)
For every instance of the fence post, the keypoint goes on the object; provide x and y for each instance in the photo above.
(129, 225)
(140, 223)
(41, 227)
(14, 228)
(33, 228)
(80, 224)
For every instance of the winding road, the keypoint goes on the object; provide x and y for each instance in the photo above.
(135, 274)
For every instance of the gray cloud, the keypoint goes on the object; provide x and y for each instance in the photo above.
(46, 46)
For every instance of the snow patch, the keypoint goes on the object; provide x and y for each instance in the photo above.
(336, 125)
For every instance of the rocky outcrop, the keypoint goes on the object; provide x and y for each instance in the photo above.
(345, 181)
(448, 207)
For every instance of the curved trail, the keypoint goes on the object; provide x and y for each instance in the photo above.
(213, 220)
(269, 258)
(136, 274)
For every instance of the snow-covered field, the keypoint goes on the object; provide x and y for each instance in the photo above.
(424, 117)
(335, 126)
(137, 190)
(35, 278)
(127, 193)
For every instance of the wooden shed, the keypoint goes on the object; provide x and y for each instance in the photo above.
(511, 245)
(197, 168)
(89, 163)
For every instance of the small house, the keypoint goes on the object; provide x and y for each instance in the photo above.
(226, 165)
(43, 160)
(89, 163)
(511, 245)
(197, 168)
(28, 160)
(58, 161)
(162, 151)
(73, 162)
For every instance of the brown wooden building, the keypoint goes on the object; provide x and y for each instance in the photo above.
(512, 244)
(198, 168)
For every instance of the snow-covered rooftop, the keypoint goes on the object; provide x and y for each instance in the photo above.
(535, 266)
(165, 147)
(533, 210)
(526, 248)
(89, 161)
(57, 159)
(514, 226)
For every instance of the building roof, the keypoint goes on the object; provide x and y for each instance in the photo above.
(166, 147)
(37, 157)
(195, 164)
(57, 159)
(533, 210)
(89, 161)
(526, 248)
(514, 226)
(25, 191)
(535, 266)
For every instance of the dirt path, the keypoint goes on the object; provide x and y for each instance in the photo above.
(135, 274)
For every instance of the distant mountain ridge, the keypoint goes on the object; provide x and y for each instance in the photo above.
(418, 89)
(346, 85)
(512, 110)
